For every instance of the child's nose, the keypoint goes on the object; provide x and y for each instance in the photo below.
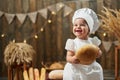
(79, 26)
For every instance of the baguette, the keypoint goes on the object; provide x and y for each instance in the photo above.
(43, 74)
(25, 75)
(31, 74)
(36, 74)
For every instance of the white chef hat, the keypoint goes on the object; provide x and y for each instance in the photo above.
(90, 16)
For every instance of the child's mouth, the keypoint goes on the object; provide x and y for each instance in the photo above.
(78, 30)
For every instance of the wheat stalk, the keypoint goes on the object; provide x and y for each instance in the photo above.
(18, 53)
(111, 21)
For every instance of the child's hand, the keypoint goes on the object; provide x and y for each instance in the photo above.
(72, 58)
(99, 53)
(75, 60)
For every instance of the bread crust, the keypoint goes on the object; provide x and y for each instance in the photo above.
(87, 54)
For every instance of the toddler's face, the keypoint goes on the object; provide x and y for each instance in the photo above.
(80, 28)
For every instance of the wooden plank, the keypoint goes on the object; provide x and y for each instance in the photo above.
(59, 35)
(117, 68)
(54, 26)
(110, 3)
(32, 5)
(67, 28)
(54, 33)
(39, 4)
(18, 6)
(93, 5)
(102, 60)
(25, 5)
(40, 23)
(85, 3)
(99, 6)
(3, 6)
(4, 42)
(48, 34)
(48, 41)
(11, 6)
(32, 8)
(26, 26)
(18, 9)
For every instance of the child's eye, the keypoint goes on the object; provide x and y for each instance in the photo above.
(82, 24)
(75, 25)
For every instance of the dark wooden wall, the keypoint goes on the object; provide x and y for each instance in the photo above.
(51, 40)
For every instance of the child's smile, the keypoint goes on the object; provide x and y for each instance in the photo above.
(80, 28)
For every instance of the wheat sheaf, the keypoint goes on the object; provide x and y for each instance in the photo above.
(111, 21)
(18, 53)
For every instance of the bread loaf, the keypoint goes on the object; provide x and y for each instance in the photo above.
(31, 73)
(87, 54)
(43, 74)
(36, 74)
(56, 74)
(25, 75)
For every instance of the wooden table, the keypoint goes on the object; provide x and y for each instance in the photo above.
(117, 56)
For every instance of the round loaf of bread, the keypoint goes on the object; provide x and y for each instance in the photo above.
(87, 54)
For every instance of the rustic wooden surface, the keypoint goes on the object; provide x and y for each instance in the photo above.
(51, 41)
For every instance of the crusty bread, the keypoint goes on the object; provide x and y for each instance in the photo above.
(56, 65)
(31, 73)
(43, 74)
(87, 54)
(56, 74)
(25, 75)
(36, 74)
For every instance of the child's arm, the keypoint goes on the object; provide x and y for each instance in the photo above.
(70, 57)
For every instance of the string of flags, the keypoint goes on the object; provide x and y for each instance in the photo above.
(108, 44)
(33, 15)
(43, 12)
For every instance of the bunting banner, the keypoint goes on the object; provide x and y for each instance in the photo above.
(33, 15)
(21, 17)
(116, 43)
(9, 17)
(1, 13)
(52, 8)
(59, 6)
(67, 10)
(43, 12)
(107, 45)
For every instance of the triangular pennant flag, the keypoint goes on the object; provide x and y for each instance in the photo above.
(107, 45)
(21, 17)
(52, 8)
(59, 6)
(9, 17)
(43, 12)
(116, 42)
(32, 16)
(67, 10)
(1, 13)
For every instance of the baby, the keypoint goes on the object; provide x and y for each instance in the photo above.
(85, 22)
